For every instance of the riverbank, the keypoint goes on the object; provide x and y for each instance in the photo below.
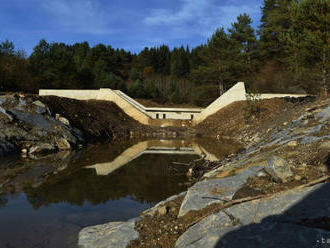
(32, 125)
(273, 190)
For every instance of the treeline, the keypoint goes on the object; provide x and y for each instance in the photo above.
(288, 53)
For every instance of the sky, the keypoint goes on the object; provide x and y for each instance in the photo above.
(128, 24)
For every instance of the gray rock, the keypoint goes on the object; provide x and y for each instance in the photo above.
(40, 107)
(311, 139)
(21, 104)
(109, 235)
(207, 232)
(4, 115)
(33, 120)
(324, 115)
(3, 100)
(278, 168)
(269, 222)
(210, 191)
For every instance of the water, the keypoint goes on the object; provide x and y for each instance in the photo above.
(45, 202)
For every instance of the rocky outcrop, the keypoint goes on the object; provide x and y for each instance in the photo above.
(270, 222)
(30, 127)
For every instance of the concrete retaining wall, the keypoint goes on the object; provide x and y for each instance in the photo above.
(235, 93)
(269, 96)
(162, 116)
(75, 94)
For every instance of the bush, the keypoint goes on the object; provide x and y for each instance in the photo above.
(252, 108)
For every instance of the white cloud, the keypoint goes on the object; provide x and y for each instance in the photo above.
(200, 17)
(77, 16)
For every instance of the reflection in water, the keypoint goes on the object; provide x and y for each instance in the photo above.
(45, 202)
(174, 147)
(148, 179)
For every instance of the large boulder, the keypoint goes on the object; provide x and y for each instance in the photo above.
(278, 168)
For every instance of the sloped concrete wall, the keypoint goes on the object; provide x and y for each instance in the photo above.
(133, 111)
(235, 93)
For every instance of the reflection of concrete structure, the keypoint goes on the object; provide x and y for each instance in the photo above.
(161, 116)
(153, 147)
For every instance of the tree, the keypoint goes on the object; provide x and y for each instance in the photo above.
(242, 34)
(274, 21)
(307, 40)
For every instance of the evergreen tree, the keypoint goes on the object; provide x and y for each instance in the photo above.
(308, 42)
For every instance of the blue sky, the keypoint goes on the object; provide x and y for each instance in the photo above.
(128, 24)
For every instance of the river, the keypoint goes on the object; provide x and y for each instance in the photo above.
(45, 201)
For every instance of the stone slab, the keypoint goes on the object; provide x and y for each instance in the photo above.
(109, 235)
(210, 191)
(269, 222)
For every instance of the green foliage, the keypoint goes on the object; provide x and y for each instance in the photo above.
(252, 108)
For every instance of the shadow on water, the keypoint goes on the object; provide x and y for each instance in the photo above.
(44, 202)
(305, 224)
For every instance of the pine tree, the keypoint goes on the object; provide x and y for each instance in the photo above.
(308, 42)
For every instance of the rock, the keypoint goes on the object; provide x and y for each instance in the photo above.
(207, 232)
(324, 115)
(261, 174)
(254, 223)
(63, 144)
(109, 235)
(190, 172)
(293, 143)
(41, 148)
(297, 178)
(33, 120)
(153, 210)
(325, 145)
(41, 108)
(312, 139)
(4, 116)
(3, 100)
(278, 168)
(210, 191)
(64, 121)
(162, 210)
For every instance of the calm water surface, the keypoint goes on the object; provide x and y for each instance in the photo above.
(45, 202)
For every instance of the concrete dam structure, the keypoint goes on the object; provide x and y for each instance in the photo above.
(161, 116)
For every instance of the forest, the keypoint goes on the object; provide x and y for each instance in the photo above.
(288, 52)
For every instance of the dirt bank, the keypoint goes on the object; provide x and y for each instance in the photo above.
(238, 122)
(99, 120)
